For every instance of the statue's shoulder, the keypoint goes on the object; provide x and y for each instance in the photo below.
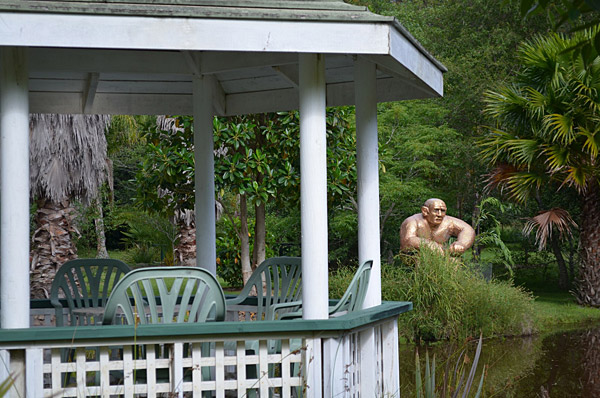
(457, 222)
(414, 219)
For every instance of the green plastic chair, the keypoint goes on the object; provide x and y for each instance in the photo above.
(85, 285)
(276, 280)
(161, 295)
(166, 295)
(352, 300)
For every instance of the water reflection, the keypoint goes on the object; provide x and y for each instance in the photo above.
(564, 364)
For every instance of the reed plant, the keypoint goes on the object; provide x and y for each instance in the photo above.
(456, 381)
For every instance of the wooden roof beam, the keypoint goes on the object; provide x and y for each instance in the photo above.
(90, 92)
(131, 61)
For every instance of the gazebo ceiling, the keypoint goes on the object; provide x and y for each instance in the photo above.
(140, 57)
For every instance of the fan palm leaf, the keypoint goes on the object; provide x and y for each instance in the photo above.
(546, 221)
(67, 155)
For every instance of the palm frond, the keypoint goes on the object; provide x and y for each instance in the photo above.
(576, 176)
(537, 102)
(522, 184)
(557, 156)
(498, 176)
(591, 142)
(561, 126)
(544, 222)
(67, 155)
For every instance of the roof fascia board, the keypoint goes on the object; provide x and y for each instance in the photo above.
(418, 63)
(143, 33)
(328, 5)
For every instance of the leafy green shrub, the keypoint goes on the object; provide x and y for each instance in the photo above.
(229, 266)
(449, 300)
(148, 235)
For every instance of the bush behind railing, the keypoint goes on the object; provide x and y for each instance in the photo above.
(450, 301)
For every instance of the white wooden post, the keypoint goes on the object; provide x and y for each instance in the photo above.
(367, 169)
(313, 202)
(313, 187)
(206, 249)
(14, 188)
(14, 208)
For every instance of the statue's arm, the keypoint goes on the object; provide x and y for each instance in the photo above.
(465, 236)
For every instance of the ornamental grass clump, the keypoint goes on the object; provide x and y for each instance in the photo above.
(450, 301)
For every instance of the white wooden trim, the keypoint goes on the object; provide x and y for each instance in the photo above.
(367, 168)
(334, 367)
(313, 187)
(390, 360)
(14, 188)
(313, 359)
(415, 61)
(18, 369)
(370, 385)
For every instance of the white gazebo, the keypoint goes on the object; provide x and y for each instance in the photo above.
(207, 58)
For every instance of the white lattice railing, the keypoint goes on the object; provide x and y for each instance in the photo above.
(354, 355)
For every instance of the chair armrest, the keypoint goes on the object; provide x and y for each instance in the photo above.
(234, 300)
(290, 305)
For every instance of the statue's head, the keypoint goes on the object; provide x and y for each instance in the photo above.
(434, 211)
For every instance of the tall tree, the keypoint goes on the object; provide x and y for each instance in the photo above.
(547, 136)
(256, 160)
(67, 160)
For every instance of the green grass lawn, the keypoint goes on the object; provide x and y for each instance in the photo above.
(558, 310)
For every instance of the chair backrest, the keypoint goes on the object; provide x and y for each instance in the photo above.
(275, 280)
(166, 295)
(84, 283)
(354, 296)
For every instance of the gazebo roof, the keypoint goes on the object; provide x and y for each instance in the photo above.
(139, 57)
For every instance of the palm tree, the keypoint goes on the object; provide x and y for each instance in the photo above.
(67, 160)
(547, 135)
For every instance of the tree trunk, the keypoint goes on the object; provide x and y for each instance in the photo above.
(572, 260)
(476, 250)
(259, 249)
(244, 240)
(185, 251)
(588, 284)
(563, 277)
(101, 251)
(52, 244)
(591, 363)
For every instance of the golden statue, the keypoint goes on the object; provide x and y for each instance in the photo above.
(433, 228)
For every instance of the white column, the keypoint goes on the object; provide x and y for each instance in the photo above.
(367, 166)
(313, 186)
(206, 249)
(14, 188)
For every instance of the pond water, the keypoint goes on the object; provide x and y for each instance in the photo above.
(563, 364)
